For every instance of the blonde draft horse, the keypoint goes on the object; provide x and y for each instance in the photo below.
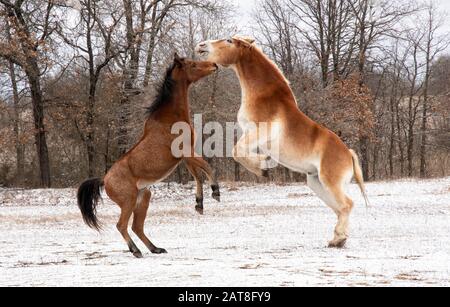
(302, 145)
(151, 160)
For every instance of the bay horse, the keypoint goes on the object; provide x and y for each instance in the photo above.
(301, 144)
(151, 160)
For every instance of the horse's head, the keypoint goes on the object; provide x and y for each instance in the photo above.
(225, 52)
(192, 70)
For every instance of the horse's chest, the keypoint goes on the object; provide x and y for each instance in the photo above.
(245, 119)
(242, 117)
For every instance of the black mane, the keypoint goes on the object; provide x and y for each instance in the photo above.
(165, 90)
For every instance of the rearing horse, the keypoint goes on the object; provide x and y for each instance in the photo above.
(292, 140)
(151, 160)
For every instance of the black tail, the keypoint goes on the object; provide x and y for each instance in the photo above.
(88, 196)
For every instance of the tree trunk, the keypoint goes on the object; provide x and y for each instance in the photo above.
(400, 145)
(391, 141)
(130, 75)
(424, 128)
(287, 175)
(90, 135)
(151, 47)
(20, 150)
(124, 110)
(364, 148)
(324, 69)
(423, 160)
(376, 152)
(410, 148)
(31, 68)
(107, 151)
(237, 172)
(149, 63)
(38, 116)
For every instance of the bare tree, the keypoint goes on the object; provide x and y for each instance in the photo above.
(374, 21)
(327, 27)
(29, 25)
(20, 151)
(275, 20)
(396, 67)
(160, 11)
(96, 41)
(413, 74)
(145, 20)
(434, 44)
(136, 30)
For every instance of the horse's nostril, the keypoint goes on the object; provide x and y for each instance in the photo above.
(202, 45)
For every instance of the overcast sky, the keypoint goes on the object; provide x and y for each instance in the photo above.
(444, 3)
(246, 7)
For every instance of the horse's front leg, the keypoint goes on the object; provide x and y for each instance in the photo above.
(195, 172)
(246, 153)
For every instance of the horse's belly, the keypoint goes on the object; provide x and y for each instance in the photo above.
(295, 161)
(145, 183)
(304, 167)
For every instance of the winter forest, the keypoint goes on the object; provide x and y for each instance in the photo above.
(76, 77)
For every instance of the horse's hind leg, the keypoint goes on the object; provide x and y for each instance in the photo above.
(335, 198)
(345, 206)
(140, 214)
(124, 195)
(122, 226)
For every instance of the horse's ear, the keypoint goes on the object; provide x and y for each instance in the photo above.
(249, 40)
(178, 61)
(246, 39)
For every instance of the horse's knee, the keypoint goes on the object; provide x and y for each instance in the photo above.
(143, 198)
(138, 230)
(350, 205)
(345, 207)
(146, 194)
(122, 228)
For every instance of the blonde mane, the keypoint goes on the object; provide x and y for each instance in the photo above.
(258, 49)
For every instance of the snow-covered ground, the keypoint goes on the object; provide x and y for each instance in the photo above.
(262, 235)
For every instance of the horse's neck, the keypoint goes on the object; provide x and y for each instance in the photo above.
(180, 99)
(177, 108)
(257, 74)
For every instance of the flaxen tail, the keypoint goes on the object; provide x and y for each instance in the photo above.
(88, 196)
(359, 176)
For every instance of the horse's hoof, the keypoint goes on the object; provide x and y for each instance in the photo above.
(337, 243)
(216, 196)
(216, 192)
(199, 209)
(159, 251)
(138, 255)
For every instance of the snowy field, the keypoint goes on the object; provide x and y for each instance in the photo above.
(263, 235)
